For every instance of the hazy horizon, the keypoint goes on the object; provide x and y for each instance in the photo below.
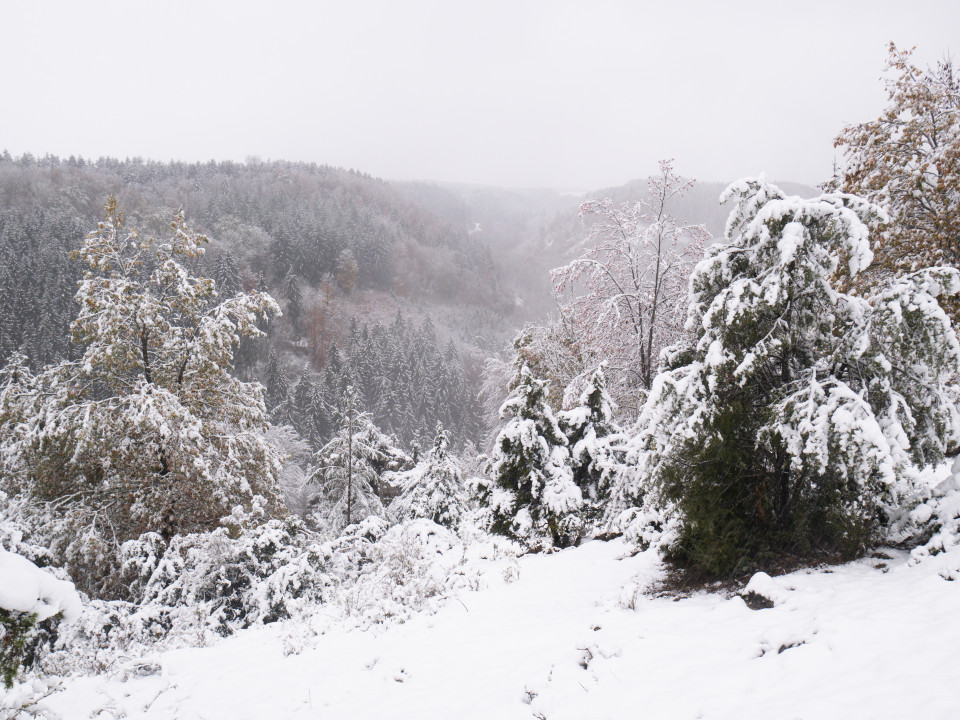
(521, 95)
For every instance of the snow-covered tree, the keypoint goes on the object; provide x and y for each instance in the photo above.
(596, 443)
(533, 497)
(348, 468)
(908, 162)
(227, 275)
(791, 422)
(433, 489)
(627, 292)
(148, 430)
(294, 478)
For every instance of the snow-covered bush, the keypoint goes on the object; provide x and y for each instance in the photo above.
(198, 587)
(261, 574)
(28, 595)
(532, 496)
(433, 489)
(25, 529)
(25, 700)
(793, 419)
(411, 568)
(937, 523)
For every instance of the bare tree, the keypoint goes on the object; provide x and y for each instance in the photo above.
(626, 295)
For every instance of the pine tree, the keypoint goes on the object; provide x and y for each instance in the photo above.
(295, 305)
(595, 441)
(433, 489)
(227, 275)
(792, 422)
(277, 382)
(533, 498)
(350, 465)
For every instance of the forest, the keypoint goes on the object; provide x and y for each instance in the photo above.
(244, 396)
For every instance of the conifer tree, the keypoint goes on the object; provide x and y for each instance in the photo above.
(533, 498)
(227, 275)
(277, 383)
(433, 489)
(793, 421)
(345, 470)
(350, 465)
(595, 441)
(295, 304)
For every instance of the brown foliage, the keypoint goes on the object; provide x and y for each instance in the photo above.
(908, 162)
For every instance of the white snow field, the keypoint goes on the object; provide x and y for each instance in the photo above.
(571, 635)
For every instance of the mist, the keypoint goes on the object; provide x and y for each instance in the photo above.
(553, 94)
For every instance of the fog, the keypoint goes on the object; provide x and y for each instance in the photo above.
(560, 94)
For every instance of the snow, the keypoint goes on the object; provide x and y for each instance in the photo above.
(25, 588)
(577, 634)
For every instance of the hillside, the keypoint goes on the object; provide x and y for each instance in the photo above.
(410, 285)
(348, 257)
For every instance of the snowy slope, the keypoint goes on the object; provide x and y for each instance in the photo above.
(568, 635)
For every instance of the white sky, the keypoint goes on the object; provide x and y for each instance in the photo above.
(564, 94)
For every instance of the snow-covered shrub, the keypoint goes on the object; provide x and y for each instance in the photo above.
(24, 700)
(198, 587)
(936, 524)
(433, 489)
(533, 497)
(28, 595)
(264, 574)
(25, 530)
(792, 420)
(411, 568)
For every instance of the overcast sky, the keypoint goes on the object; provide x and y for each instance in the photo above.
(575, 95)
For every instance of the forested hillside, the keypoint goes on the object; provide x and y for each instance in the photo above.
(376, 290)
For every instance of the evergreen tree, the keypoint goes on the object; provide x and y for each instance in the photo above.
(792, 421)
(595, 441)
(433, 489)
(295, 305)
(277, 383)
(349, 467)
(533, 498)
(227, 275)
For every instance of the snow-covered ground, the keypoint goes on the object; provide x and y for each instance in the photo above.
(572, 635)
